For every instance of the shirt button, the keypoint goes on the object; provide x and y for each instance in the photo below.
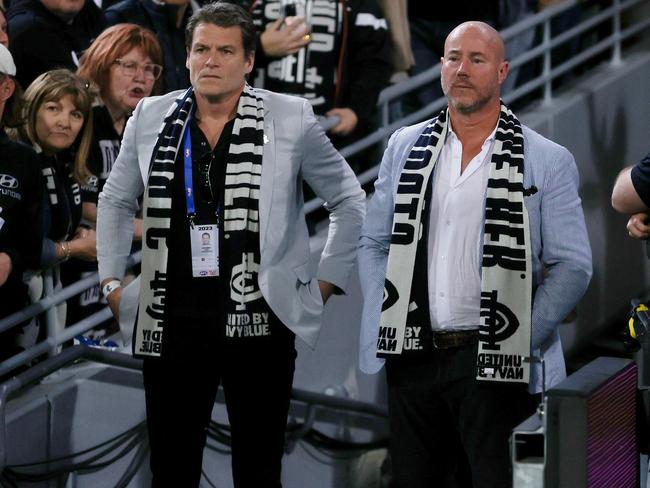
(442, 294)
(226, 236)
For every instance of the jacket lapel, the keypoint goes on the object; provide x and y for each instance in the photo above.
(268, 172)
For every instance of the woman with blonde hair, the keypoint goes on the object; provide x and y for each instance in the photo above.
(57, 123)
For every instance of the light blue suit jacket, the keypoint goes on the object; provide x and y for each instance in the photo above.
(559, 241)
(295, 148)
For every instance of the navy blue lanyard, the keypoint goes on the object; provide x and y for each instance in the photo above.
(187, 171)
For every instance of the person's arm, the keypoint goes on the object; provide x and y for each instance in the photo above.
(374, 245)
(631, 193)
(27, 251)
(566, 249)
(90, 215)
(625, 198)
(369, 62)
(332, 179)
(638, 227)
(82, 245)
(116, 209)
(6, 267)
(284, 36)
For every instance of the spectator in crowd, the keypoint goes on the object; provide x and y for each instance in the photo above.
(468, 207)
(124, 63)
(631, 196)
(58, 124)
(4, 33)
(334, 53)
(228, 160)
(50, 34)
(20, 208)
(167, 20)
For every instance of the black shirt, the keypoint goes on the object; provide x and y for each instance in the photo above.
(20, 217)
(104, 149)
(641, 179)
(188, 296)
(62, 208)
(457, 11)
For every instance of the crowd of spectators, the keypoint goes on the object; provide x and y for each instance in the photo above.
(85, 65)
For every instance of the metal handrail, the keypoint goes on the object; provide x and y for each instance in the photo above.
(75, 353)
(58, 297)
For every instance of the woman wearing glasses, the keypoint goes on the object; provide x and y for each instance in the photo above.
(123, 64)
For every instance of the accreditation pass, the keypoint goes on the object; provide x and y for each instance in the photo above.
(204, 240)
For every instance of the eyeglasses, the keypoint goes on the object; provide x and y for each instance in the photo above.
(129, 68)
(206, 185)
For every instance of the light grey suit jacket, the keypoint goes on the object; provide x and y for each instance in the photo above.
(295, 148)
(559, 241)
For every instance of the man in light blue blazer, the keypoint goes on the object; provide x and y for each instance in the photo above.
(476, 231)
(226, 283)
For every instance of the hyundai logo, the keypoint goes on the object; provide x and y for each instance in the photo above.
(8, 181)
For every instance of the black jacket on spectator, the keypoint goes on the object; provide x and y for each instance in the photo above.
(160, 19)
(104, 149)
(454, 11)
(359, 68)
(61, 203)
(21, 227)
(41, 41)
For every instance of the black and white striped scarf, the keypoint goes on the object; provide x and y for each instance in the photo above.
(240, 219)
(506, 273)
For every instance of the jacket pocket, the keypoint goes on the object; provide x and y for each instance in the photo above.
(308, 289)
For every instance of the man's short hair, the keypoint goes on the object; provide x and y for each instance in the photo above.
(225, 15)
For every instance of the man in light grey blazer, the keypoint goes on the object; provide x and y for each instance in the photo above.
(226, 283)
(473, 251)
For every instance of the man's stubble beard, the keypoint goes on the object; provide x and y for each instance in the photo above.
(474, 106)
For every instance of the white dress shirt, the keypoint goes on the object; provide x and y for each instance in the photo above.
(455, 235)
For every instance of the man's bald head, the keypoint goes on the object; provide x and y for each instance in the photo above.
(473, 68)
(489, 34)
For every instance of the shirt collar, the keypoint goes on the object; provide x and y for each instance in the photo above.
(490, 138)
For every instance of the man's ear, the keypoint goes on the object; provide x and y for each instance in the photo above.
(7, 88)
(250, 61)
(503, 71)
